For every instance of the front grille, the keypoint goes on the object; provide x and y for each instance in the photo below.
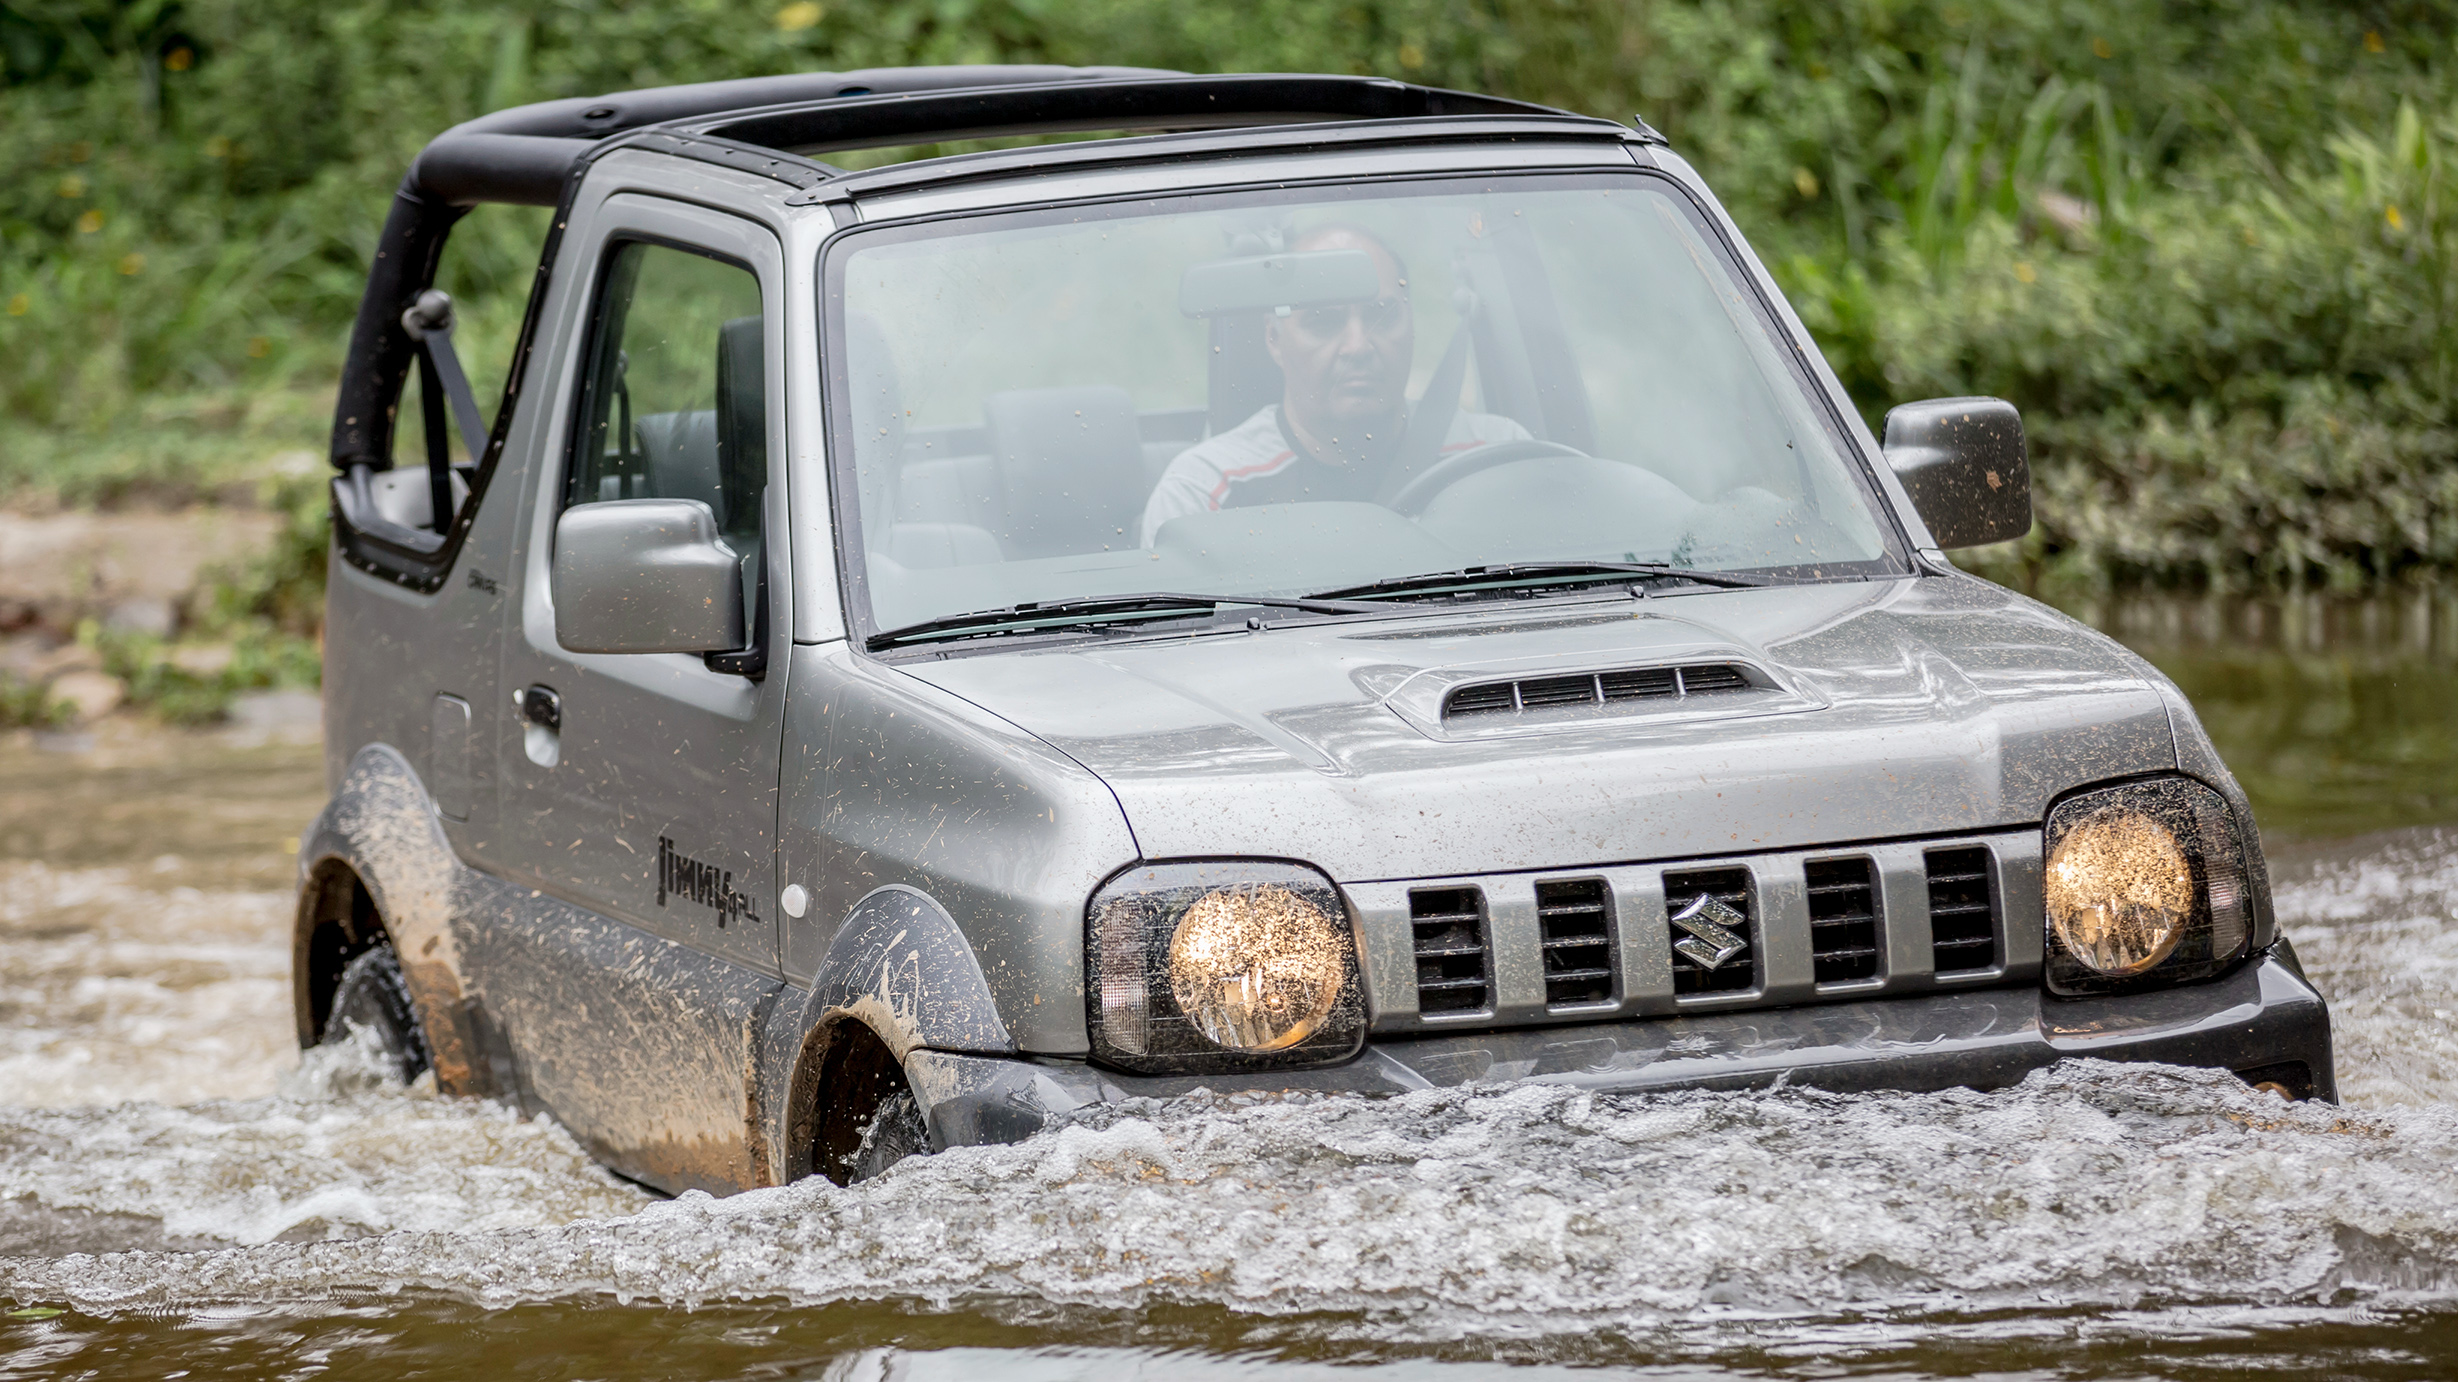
(1588, 942)
(1452, 976)
(1596, 688)
(1843, 920)
(1692, 973)
(1962, 917)
(1578, 942)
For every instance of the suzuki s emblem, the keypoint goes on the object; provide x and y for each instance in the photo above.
(1715, 931)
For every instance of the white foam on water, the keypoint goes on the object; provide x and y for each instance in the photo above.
(338, 1153)
(2155, 1198)
(1451, 1213)
(2376, 926)
(116, 985)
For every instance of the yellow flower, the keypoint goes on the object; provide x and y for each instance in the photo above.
(73, 186)
(2024, 271)
(21, 304)
(1412, 57)
(90, 222)
(2373, 43)
(802, 14)
(1806, 183)
(2390, 214)
(132, 264)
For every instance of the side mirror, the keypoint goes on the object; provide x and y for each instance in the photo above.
(1962, 460)
(645, 576)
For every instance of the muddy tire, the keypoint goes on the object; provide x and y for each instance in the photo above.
(372, 997)
(869, 1120)
(896, 1132)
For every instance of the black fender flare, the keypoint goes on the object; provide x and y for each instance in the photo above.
(381, 828)
(901, 967)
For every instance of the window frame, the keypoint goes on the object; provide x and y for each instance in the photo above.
(578, 425)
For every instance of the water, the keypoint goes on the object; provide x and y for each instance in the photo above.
(179, 1190)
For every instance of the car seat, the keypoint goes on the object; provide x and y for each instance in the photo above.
(892, 527)
(680, 453)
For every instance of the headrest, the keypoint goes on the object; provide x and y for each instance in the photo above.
(742, 424)
(1069, 458)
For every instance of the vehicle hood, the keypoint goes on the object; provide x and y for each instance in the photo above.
(1892, 708)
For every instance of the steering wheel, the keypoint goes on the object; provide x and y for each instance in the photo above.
(1450, 470)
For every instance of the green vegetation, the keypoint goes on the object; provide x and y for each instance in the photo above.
(2207, 246)
(25, 704)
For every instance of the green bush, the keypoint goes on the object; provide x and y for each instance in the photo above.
(2203, 243)
(25, 705)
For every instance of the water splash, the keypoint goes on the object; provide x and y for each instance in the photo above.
(122, 983)
(338, 1153)
(2376, 922)
(2169, 1200)
(1457, 1212)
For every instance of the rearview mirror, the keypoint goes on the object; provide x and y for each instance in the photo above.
(645, 576)
(1312, 278)
(1963, 462)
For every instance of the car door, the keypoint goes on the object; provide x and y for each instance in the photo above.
(643, 786)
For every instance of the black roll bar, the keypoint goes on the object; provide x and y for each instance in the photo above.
(530, 155)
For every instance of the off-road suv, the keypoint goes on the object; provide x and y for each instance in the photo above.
(1328, 584)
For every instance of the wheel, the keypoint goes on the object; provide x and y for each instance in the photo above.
(868, 1119)
(373, 997)
(895, 1132)
(1421, 488)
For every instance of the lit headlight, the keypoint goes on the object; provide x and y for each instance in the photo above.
(1222, 966)
(2145, 883)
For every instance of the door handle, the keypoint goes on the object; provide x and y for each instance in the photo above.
(540, 706)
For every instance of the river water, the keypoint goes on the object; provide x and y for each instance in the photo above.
(179, 1191)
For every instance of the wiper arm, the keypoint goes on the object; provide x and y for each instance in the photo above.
(1036, 615)
(1539, 573)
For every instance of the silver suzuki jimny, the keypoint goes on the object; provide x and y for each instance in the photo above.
(1306, 583)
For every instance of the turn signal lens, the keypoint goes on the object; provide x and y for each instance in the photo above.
(1256, 969)
(2120, 891)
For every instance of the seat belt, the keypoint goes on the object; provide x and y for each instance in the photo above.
(1430, 422)
(428, 323)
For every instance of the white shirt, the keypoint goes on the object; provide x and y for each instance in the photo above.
(1257, 462)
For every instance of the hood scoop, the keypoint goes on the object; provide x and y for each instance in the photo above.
(1490, 701)
(1547, 696)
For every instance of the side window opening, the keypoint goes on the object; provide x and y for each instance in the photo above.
(491, 255)
(675, 399)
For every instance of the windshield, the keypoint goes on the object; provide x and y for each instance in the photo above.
(1293, 392)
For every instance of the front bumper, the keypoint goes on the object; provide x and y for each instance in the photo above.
(2265, 1020)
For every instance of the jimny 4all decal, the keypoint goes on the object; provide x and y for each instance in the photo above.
(690, 880)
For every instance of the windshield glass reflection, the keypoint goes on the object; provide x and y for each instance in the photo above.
(1251, 396)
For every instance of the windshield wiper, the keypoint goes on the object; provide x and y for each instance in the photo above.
(1526, 573)
(1036, 616)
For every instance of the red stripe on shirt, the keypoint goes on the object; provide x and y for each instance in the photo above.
(1221, 490)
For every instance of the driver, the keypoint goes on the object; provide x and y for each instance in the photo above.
(1343, 406)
